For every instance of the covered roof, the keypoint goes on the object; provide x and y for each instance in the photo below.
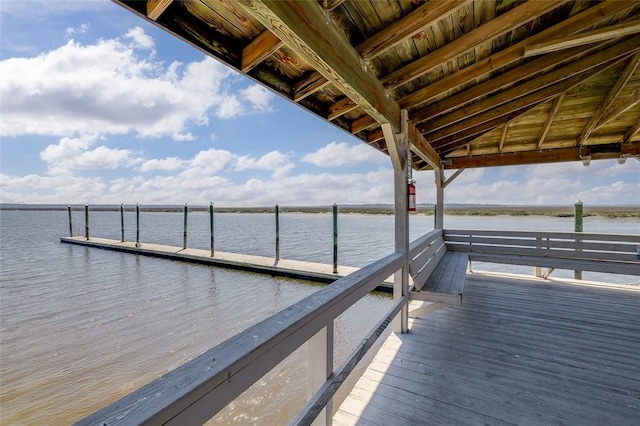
(485, 83)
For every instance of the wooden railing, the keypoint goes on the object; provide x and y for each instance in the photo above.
(608, 253)
(197, 390)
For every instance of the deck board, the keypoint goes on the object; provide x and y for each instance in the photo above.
(518, 351)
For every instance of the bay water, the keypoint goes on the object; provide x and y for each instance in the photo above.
(82, 327)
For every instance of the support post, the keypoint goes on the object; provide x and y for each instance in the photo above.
(122, 223)
(137, 225)
(184, 232)
(277, 232)
(538, 269)
(70, 223)
(398, 145)
(439, 219)
(335, 238)
(577, 222)
(211, 228)
(86, 222)
(319, 368)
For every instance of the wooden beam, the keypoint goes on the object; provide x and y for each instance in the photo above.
(504, 23)
(602, 34)
(503, 136)
(612, 113)
(575, 68)
(309, 85)
(340, 108)
(302, 26)
(634, 130)
(592, 16)
(552, 115)
(623, 78)
(407, 26)
(329, 5)
(557, 155)
(517, 104)
(422, 148)
(155, 8)
(498, 82)
(259, 49)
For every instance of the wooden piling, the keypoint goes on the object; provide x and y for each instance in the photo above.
(86, 222)
(184, 232)
(70, 223)
(122, 223)
(577, 221)
(335, 238)
(211, 228)
(137, 225)
(277, 232)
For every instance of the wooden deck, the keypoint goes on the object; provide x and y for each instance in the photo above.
(518, 351)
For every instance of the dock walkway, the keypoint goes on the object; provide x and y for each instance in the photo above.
(284, 267)
(517, 351)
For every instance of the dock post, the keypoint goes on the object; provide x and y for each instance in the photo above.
(335, 238)
(577, 221)
(137, 225)
(70, 223)
(86, 221)
(211, 227)
(184, 233)
(277, 232)
(122, 223)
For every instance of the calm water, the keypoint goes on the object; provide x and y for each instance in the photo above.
(82, 327)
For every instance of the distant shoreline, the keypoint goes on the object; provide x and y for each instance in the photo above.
(612, 212)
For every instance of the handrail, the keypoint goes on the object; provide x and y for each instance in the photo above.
(198, 389)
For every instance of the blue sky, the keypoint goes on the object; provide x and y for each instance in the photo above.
(97, 106)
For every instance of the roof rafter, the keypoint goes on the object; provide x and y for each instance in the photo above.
(259, 49)
(552, 115)
(634, 130)
(575, 68)
(533, 98)
(504, 23)
(499, 82)
(612, 113)
(602, 34)
(155, 8)
(302, 25)
(611, 97)
(582, 20)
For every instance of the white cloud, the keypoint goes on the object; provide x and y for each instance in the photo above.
(258, 97)
(116, 87)
(139, 39)
(270, 161)
(339, 154)
(169, 163)
(83, 28)
(74, 153)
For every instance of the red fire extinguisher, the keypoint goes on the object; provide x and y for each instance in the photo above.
(412, 196)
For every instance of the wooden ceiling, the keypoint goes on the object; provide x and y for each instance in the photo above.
(485, 83)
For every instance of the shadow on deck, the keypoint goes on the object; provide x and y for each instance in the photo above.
(518, 351)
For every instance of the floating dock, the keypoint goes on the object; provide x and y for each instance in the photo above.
(310, 271)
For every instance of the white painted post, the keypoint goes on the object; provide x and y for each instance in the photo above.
(398, 146)
(319, 368)
(538, 269)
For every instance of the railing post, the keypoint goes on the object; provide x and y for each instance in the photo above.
(122, 223)
(538, 270)
(211, 227)
(137, 225)
(277, 232)
(319, 368)
(335, 238)
(577, 220)
(70, 223)
(184, 232)
(86, 221)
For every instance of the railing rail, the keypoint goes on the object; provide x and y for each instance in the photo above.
(609, 253)
(197, 390)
